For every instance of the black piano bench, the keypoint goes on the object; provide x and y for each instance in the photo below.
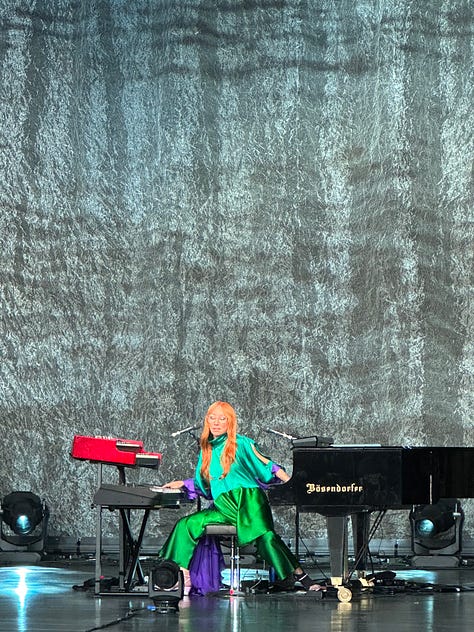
(229, 532)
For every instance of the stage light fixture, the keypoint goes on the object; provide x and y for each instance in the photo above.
(436, 533)
(24, 520)
(166, 586)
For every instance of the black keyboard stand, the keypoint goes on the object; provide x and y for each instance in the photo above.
(130, 570)
(131, 549)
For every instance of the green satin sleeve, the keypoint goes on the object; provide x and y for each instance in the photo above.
(263, 471)
(199, 482)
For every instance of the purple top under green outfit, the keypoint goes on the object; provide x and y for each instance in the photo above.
(239, 500)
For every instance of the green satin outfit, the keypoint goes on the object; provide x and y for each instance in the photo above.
(237, 500)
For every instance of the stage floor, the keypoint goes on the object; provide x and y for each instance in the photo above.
(42, 599)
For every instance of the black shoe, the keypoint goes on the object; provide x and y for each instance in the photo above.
(307, 582)
(282, 585)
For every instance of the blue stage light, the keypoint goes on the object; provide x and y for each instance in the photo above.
(23, 525)
(437, 529)
(425, 527)
(166, 585)
(24, 518)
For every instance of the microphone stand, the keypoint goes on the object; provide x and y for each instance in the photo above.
(301, 442)
(191, 432)
(280, 434)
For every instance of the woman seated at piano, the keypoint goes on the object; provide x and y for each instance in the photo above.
(233, 474)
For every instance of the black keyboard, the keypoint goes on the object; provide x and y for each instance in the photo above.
(138, 497)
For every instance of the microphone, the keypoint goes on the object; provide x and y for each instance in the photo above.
(280, 434)
(180, 432)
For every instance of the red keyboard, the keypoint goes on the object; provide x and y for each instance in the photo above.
(113, 451)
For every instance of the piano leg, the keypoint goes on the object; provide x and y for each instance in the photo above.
(338, 543)
(360, 534)
(337, 527)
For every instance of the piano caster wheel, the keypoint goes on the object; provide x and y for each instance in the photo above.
(344, 594)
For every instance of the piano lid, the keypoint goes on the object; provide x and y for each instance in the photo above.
(348, 477)
(364, 477)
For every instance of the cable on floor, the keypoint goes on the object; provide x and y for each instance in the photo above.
(129, 615)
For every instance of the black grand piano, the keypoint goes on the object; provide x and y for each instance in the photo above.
(337, 481)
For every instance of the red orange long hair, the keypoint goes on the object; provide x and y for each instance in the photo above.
(228, 454)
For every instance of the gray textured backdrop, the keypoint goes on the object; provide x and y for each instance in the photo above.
(263, 201)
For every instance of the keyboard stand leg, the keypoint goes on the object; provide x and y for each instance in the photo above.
(98, 540)
(132, 554)
(123, 557)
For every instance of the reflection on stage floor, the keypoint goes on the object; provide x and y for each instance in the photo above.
(41, 598)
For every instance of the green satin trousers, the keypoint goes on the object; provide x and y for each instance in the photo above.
(249, 511)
